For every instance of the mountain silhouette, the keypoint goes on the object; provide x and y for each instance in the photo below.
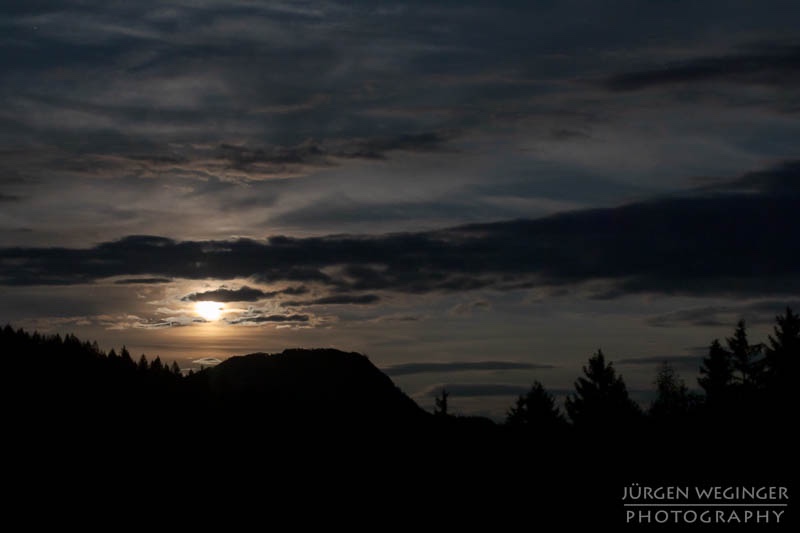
(306, 388)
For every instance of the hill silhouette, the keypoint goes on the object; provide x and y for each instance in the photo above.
(306, 388)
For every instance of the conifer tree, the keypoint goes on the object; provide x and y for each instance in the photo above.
(536, 408)
(127, 361)
(783, 352)
(441, 403)
(601, 397)
(673, 399)
(716, 373)
(744, 355)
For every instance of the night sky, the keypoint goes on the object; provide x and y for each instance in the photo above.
(474, 194)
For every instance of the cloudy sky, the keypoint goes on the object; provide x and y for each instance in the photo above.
(473, 193)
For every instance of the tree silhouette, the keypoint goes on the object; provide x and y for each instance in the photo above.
(535, 409)
(716, 373)
(673, 400)
(783, 352)
(441, 403)
(127, 361)
(744, 355)
(601, 398)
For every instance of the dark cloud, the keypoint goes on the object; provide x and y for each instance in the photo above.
(338, 210)
(486, 389)
(339, 299)
(294, 291)
(704, 243)
(317, 154)
(467, 308)
(782, 180)
(573, 187)
(777, 66)
(772, 308)
(761, 312)
(160, 324)
(683, 362)
(142, 281)
(264, 319)
(459, 366)
(701, 316)
(376, 148)
(242, 157)
(292, 273)
(397, 318)
(242, 294)
(477, 389)
(8, 198)
(564, 134)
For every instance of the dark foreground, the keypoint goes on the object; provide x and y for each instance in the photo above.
(322, 439)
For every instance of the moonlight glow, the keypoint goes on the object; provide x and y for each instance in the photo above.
(209, 310)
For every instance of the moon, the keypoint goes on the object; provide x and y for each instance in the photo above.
(209, 310)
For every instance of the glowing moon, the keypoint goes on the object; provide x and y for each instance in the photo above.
(209, 310)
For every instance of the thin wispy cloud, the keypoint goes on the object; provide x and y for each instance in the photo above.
(460, 366)
(778, 65)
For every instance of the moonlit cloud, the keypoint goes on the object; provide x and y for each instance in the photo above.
(207, 361)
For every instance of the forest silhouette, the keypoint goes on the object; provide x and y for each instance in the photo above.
(740, 381)
(334, 414)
